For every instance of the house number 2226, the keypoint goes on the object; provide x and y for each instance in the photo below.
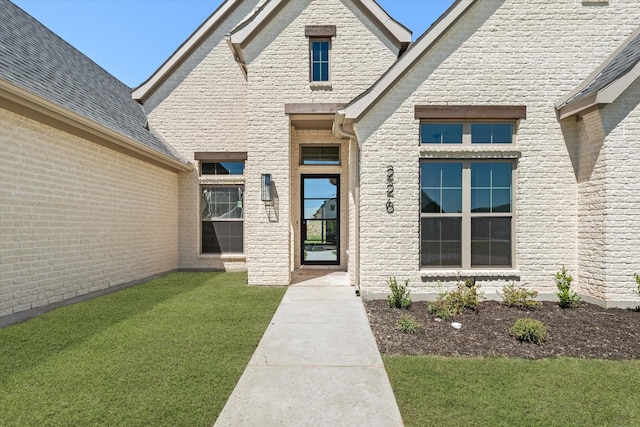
(390, 189)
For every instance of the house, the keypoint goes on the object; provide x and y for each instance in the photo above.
(292, 135)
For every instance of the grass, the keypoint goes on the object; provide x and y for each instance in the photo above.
(514, 392)
(166, 353)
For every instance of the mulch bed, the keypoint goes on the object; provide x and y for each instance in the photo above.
(588, 331)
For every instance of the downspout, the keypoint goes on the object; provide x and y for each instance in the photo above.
(353, 138)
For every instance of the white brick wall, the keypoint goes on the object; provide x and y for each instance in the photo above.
(208, 106)
(76, 217)
(501, 52)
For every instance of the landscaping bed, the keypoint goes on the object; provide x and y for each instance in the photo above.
(587, 331)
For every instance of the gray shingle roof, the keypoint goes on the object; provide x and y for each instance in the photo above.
(619, 66)
(37, 60)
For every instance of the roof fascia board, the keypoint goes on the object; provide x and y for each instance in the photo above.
(578, 106)
(146, 89)
(399, 34)
(610, 93)
(247, 31)
(356, 109)
(606, 95)
(32, 106)
(586, 82)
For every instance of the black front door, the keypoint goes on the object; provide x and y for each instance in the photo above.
(320, 219)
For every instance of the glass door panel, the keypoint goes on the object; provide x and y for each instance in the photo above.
(320, 219)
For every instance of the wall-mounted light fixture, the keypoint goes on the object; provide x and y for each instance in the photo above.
(266, 188)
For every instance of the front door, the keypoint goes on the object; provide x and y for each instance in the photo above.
(320, 219)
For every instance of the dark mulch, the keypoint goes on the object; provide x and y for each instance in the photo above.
(588, 331)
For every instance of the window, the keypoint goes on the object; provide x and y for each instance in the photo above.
(221, 168)
(319, 60)
(222, 219)
(320, 155)
(466, 213)
(466, 133)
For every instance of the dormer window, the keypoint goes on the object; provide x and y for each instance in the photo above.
(320, 38)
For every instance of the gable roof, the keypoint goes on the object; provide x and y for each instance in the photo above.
(147, 88)
(247, 30)
(38, 66)
(607, 82)
(356, 108)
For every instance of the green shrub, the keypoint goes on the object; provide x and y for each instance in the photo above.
(519, 297)
(465, 297)
(635, 275)
(400, 297)
(566, 298)
(408, 324)
(530, 330)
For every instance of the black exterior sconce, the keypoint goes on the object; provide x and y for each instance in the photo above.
(265, 188)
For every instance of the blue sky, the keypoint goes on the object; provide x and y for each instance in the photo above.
(132, 38)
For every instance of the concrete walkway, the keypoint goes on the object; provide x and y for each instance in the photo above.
(316, 365)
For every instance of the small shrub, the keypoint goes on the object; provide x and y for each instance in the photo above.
(400, 297)
(635, 275)
(465, 297)
(530, 330)
(566, 298)
(408, 324)
(519, 297)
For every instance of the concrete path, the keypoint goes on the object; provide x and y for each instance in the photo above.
(316, 365)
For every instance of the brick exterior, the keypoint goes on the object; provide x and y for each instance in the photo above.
(525, 53)
(208, 106)
(76, 217)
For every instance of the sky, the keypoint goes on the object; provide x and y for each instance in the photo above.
(132, 38)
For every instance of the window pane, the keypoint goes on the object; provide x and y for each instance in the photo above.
(480, 133)
(316, 72)
(452, 134)
(491, 133)
(431, 133)
(222, 168)
(480, 175)
(222, 202)
(324, 51)
(439, 133)
(502, 133)
(501, 201)
(431, 200)
(441, 242)
(222, 237)
(320, 155)
(480, 200)
(452, 175)
(501, 175)
(491, 242)
(430, 174)
(324, 72)
(320, 209)
(451, 201)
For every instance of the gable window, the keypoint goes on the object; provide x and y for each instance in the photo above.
(466, 213)
(320, 38)
(320, 155)
(320, 60)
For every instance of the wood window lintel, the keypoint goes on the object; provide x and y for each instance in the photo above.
(470, 112)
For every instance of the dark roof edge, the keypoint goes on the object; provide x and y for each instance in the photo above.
(28, 104)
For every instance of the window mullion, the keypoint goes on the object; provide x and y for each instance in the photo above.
(466, 216)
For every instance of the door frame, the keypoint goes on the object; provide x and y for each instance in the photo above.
(303, 230)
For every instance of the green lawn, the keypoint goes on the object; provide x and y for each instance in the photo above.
(166, 353)
(438, 391)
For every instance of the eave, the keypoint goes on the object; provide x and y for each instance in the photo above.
(242, 35)
(27, 104)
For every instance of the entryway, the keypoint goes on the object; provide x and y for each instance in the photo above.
(320, 225)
